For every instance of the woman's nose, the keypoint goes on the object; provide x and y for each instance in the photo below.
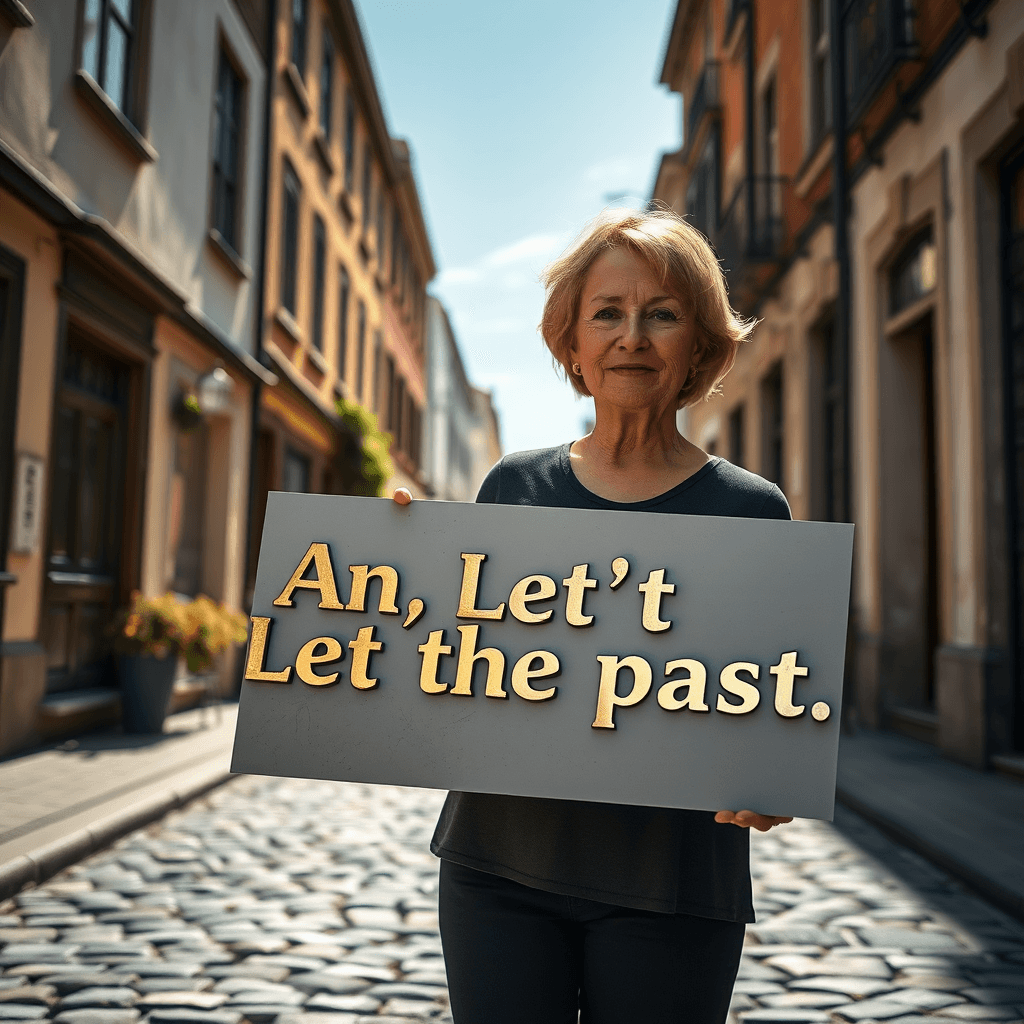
(633, 335)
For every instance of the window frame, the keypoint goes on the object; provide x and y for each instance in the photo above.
(349, 141)
(226, 56)
(344, 300)
(298, 44)
(319, 283)
(361, 325)
(288, 283)
(326, 104)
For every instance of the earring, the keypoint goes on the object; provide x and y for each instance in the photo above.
(576, 369)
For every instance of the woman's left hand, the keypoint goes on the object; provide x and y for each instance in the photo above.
(750, 819)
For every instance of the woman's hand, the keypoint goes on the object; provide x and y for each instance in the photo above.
(750, 819)
(401, 496)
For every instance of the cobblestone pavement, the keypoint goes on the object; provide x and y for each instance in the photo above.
(294, 902)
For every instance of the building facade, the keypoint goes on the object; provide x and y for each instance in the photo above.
(880, 382)
(462, 438)
(130, 245)
(347, 263)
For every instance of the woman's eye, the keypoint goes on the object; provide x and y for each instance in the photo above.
(663, 314)
(608, 313)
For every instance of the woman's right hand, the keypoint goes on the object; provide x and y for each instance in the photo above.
(402, 496)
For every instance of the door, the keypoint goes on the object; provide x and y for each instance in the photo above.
(1013, 397)
(86, 508)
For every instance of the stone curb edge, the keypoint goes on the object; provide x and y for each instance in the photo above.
(1004, 899)
(43, 863)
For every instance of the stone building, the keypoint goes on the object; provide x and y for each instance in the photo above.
(462, 439)
(131, 138)
(882, 383)
(348, 261)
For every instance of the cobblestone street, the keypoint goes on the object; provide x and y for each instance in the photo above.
(299, 902)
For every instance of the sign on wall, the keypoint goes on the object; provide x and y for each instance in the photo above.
(624, 657)
(28, 504)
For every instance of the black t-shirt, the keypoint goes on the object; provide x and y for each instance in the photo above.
(649, 858)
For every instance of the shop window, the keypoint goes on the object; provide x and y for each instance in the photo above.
(296, 471)
(229, 118)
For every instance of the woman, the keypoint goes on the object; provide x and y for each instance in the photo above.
(554, 908)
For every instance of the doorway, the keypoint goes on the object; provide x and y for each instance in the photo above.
(909, 536)
(87, 493)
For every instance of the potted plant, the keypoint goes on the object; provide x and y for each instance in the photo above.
(149, 637)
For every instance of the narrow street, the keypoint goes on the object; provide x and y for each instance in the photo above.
(293, 902)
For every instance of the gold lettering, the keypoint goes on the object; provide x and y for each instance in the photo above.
(468, 594)
(785, 673)
(653, 590)
(468, 657)
(432, 651)
(522, 596)
(695, 684)
(522, 673)
(362, 647)
(749, 694)
(388, 577)
(324, 582)
(607, 697)
(306, 659)
(577, 585)
(254, 670)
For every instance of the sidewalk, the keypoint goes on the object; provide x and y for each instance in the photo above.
(58, 805)
(968, 822)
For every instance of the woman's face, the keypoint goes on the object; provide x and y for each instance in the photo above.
(635, 342)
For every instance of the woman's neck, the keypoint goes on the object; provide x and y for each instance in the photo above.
(634, 458)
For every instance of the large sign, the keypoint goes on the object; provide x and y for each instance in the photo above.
(624, 657)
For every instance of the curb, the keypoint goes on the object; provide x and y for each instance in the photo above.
(43, 863)
(1007, 900)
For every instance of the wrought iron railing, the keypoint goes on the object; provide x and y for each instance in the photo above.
(705, 99)
(878, 35)
(752, 228)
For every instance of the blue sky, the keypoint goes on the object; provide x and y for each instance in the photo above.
(525, 120)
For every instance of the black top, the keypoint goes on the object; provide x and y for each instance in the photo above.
(650, 858)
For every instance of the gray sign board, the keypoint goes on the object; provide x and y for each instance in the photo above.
(623, 657)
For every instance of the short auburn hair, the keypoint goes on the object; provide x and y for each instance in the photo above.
(689, 269)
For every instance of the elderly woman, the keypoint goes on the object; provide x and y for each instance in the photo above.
(550, 908)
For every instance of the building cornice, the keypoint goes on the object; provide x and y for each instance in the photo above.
(30, 186)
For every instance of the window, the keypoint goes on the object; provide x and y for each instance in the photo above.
(821, 72)
(229, 112)
(737, 428)
(834, 483)
(772, 423)
(343, 293)
(877, 34)
(319, 275)
(296, 471)
(110, 50)
(290, 199)
(380, 227)
(396, 242)
(360, 349)
(702, 192)
(378, 356)
(389, 392)
(914, 273)
(299, 31)
(326, 85)
(367, 184)
(350, 140)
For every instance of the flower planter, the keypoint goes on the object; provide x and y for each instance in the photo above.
(146, 685)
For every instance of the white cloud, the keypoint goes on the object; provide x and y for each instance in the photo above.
(525, 249)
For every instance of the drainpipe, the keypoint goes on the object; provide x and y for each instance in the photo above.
(840, 204)
(260, 281)
(751, 69)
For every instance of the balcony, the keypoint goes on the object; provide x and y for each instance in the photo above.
(879, 35)
(752, 237)
(705, 100)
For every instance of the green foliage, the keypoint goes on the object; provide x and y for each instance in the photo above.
(364, 458)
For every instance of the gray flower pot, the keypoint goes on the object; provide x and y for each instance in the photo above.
(146, 685)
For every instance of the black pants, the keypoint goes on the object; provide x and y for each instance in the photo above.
(518, 955)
